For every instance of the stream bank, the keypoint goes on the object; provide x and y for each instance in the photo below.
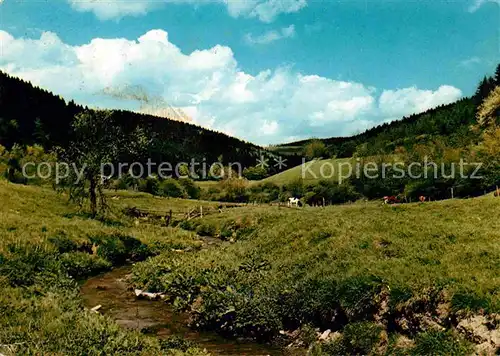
(156, 318)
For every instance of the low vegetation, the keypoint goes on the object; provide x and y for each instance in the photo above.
(46, 247)
(366, 271)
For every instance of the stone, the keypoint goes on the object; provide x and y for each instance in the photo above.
(96, 308)
(483, 330)
(324, 335)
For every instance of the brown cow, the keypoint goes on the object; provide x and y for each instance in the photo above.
(422, 198)
(391, 200)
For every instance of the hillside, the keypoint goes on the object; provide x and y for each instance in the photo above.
(367, 271)
(376, 274)
(449, 122)
(310, 172)
(31, 115)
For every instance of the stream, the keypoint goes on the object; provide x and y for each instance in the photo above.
(112, 292)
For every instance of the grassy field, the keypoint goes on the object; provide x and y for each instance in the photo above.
(374, 273)
(356, 268)
(332, 169)
(46, 247)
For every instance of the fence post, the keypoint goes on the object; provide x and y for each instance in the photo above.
(201, 211)
(169, 217)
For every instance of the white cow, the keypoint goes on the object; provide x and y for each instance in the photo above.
(293, 202)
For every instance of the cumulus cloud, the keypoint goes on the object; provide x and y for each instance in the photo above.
(401, 102)
(271, 36)
(209, 86)
(264, 10)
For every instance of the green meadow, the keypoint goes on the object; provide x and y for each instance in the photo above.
(371, 272)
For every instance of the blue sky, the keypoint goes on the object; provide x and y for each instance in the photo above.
(268, 71)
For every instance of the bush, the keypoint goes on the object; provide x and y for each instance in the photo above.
(206, 230)
(315, 149)
(361, 337)
(120, 184)
(23, 267)
(440, 343)
(295, 188)
(264, 192)
(176, 343)
(235, 190)
(79, 264)
(255, 173)
(153, 186)
(118, 248)
(172, 188)
(192, 190)
(63, 244)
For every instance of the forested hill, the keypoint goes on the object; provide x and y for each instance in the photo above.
(449, 124)
(30, 115)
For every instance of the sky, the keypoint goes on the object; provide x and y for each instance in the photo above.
(267, 71)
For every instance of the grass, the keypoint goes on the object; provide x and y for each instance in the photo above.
(280, 268)
(46, 246)
(296, 266)
(335, 167)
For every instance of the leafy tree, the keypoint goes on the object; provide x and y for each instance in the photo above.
(98, 140)
(192, 190)
(315, 149)
(490, 154)
(489, 111)
(235, 190)
(255, 173)
(172, 188)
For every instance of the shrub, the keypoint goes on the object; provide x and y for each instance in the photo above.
(192, 190)
(307, 334)
(235, 190)
(315, 149)
(153, 186)
(295, 188)
(80, 264)
(172, 188)
(440, 343)
(361, 337)
(63, 244)
(255, 173)
(120, 184)
(206, 230)
(177, 343)
(335, 347)
(22, 268)
(118, 248)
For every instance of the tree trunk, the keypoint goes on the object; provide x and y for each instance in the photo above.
(93, 197)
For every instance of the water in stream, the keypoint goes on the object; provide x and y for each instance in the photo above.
(118, 302)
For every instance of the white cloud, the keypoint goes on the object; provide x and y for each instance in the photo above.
(264, 10)
(401, 102)
(476, 4)
(271, 36)
(269, 127)
(209, 86)
(110, 9)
